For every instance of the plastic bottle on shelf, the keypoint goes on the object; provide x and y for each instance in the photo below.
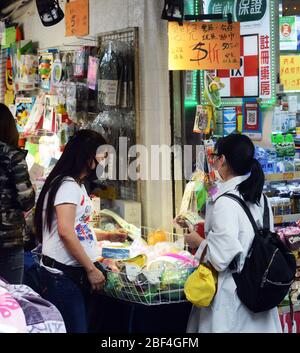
(280, 145)
(289, 146)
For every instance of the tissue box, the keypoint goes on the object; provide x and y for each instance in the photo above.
(129, 210)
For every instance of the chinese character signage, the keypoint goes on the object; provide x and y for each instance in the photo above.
(204, 46)
(221, 7)
(290, 72)
(250, 10)
(255, 17)
(243, 82)
(77, 18)
(288, 33)
(242, 10)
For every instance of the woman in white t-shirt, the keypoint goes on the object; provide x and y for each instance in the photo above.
(69, 270)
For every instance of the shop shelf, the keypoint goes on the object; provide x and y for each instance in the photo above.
(286, 309)
(283, 176)
(287, 218)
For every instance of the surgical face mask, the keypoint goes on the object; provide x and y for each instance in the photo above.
(218, 176)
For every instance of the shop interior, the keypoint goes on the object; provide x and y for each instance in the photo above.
(93, 82)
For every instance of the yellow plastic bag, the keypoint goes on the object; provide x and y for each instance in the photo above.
(200, 287)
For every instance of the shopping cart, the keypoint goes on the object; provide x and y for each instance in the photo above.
(150, 287)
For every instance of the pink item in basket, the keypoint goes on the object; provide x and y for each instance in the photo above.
(11, 314)
(182, 258)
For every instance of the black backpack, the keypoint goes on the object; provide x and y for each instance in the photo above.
(269, 268)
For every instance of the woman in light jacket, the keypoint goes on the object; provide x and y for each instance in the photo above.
(229, 235)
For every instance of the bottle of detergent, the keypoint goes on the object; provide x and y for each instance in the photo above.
(289, 146)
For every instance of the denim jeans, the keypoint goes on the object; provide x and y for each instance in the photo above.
(68, 299)
(12, 264)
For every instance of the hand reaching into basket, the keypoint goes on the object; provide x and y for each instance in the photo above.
(118, 235)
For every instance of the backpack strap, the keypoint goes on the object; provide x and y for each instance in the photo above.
(242, 203)
(266, 218)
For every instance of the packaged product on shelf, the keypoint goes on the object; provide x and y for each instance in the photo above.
(23, 107)
(92, 72)
(46, 59)
(56, 72)
(35, 115)
(108, 78)
(79, 62)
(26, 77)
(203, 119)
(295, 201)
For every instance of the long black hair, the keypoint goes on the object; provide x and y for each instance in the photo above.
(239, 152)
(8, 130)
(76, 159)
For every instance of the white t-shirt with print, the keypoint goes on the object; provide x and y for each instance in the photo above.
(70, 192)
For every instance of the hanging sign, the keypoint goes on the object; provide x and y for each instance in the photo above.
(204, 46)
(255, 17)
(290, 72)
(243, 82)
(77, 18)
(288, 33)
(252, 124)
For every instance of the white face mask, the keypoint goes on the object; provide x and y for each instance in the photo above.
(218, 176)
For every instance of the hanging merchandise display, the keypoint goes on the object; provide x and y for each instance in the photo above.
(79, 63)
(203, 119)
(8, 37)
(24, 65)
(116, 76)
(212, 88)
(35, 116)
(9, 94)
(3, 59)
(56, 71)
(46, 59)
(108, 78)
(252, 122)
(229, 122)
(92, 72)
(23, 107)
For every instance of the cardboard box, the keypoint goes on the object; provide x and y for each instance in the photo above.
(129, 210)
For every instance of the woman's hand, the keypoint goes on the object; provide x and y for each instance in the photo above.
(193, 239)
(118, 236)
(96, 279)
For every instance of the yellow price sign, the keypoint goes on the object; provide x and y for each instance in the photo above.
(278, 219)
(288, 176)
(290, 72)
(204, 46)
